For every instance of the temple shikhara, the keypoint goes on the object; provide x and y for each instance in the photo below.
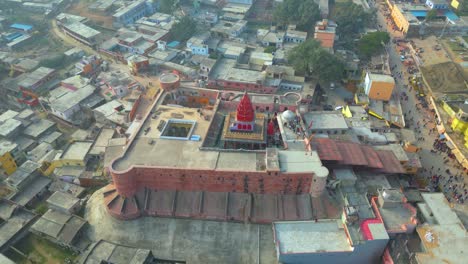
(244, 129)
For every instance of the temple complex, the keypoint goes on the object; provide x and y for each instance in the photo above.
(232, 158)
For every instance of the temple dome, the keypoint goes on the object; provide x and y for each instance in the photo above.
(245, 110)
(288, 115)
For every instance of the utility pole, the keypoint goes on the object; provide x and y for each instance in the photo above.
(443, 29)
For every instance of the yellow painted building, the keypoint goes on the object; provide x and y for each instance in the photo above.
(398, 16)
(460, 122)
(455, 4)
(8, 153)
(459, 119)
(402, 16)
(379, 86)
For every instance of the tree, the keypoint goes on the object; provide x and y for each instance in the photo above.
(269, 49)
(168, 6)
(311, 59)
(303, 13)
(351, 19)
(183, 29)
(371, 43)
(213, 56)
(41, 209)
(431, 15)
(54, 61)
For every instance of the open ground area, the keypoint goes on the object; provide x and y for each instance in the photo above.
(431, 54)
(445, 77)
(39, 250)
(195, 241)
(81, 8)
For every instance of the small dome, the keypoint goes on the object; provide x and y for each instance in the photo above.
(390, 195)
(288, 115)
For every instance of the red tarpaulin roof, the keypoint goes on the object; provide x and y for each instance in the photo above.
(354, 154)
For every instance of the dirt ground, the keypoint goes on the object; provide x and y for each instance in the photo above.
(445, 77)
(456, 51)
(40, 251)
(431, 56)
(4, 191)
(81, 9)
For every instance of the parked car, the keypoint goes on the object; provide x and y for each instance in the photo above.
(328, 107)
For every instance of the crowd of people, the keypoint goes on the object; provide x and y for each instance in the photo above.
(422, 119)
(449, 178)
(446, 175)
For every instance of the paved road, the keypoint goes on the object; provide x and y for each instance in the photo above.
(68, 40)
(422, 121)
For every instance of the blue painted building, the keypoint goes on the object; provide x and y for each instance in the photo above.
(244, 2)
(437, 4)
(131, 13)
(22, 27)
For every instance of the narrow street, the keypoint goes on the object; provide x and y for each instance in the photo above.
(446, 174)
(68, 40)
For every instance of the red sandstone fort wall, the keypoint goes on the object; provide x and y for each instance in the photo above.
(241, 86)
(232, 105)
(128, 183)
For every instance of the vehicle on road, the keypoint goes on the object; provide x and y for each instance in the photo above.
(338, 107)
(328, 107)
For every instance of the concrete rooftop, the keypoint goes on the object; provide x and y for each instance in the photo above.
(14, 220)
(6, 146)
(309, 236)
(82, 29)
(62, 200)
(29, 192)
(77, 151)
(440, 209)
(8, 127)
(381, 78)
(325, 120)
(225, 70)
(9, 114)
(181, 153)
(35, 76)
(22, 173)
(61, 226)
(114, 253)
(37, 128)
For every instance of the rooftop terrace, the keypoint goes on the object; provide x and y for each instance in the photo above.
(34, 77)
(150, 149)
(308, 236)
(225, 71)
